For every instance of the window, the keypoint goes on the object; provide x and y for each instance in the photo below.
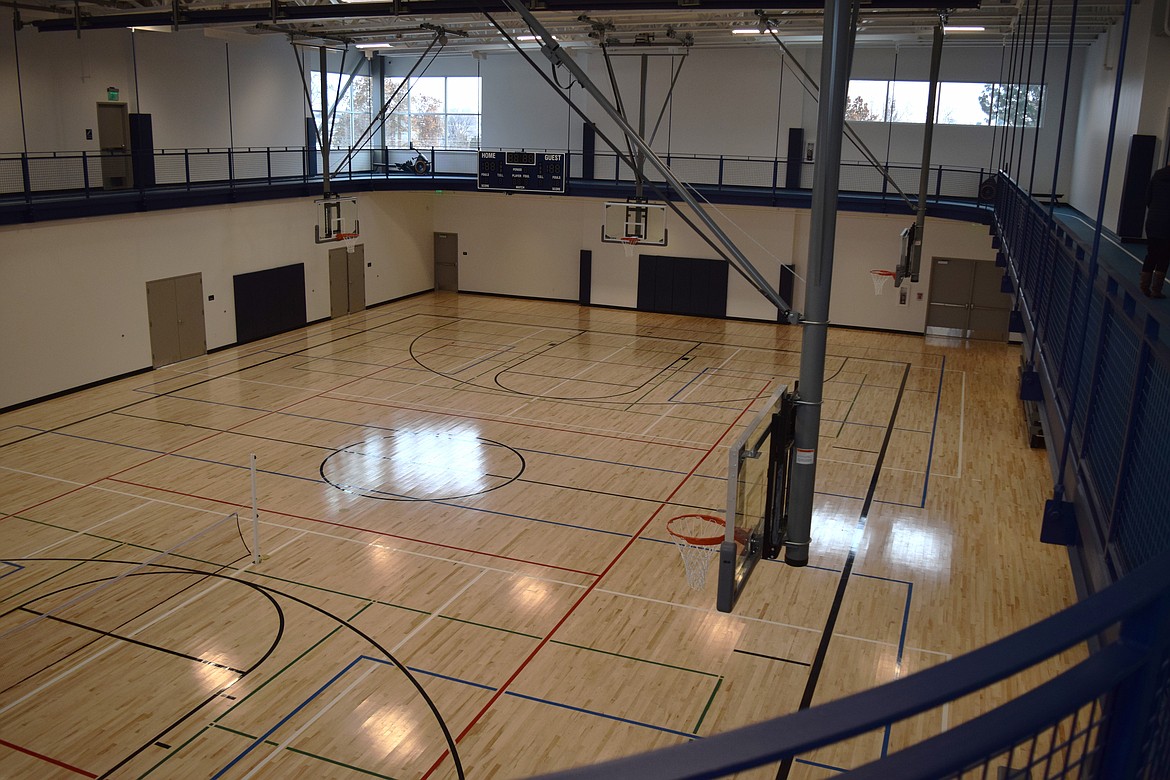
(354, 108)
(959, 102)
(440, 112)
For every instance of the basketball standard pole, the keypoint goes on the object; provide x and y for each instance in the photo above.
(556, 54)
(927, 142)
(826, 178)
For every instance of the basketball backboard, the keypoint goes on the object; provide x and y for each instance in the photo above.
(757, 489)
(337, 218)
(635, 219)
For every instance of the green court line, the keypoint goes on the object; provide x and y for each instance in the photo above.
(371, 602)
(259, 688)
(635, 658)
(286, 667)
(710, 701)
(63, 571)
(298, 751)
(168, 756)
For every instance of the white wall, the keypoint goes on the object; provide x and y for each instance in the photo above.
(530, 245)
(73, 294)
(1142, 106)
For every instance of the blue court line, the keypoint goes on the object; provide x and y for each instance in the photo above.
(15, 568)
(317, 693)
(933, 430)
(260, 740)
(320, 482)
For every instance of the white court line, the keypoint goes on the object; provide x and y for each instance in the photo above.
(86, 531)
(765, 621)
(513, 418)
(962, 421)
(705, 376)
(345, 692)
(276, 751)
(70, 671)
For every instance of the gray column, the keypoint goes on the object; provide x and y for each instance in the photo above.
(826, 177)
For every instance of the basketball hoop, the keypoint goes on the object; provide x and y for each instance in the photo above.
(879, 277)
(350, 240)
(629, 243)
(697, 538)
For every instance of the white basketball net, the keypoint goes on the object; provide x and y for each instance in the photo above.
(879, 280)
(629, 244)
(697, 538)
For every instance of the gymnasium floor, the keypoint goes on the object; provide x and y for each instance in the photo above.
(467, 496)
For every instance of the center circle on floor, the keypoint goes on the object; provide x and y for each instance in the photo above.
(422, 466)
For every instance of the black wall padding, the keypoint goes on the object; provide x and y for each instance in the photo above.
(142, 149)
(682, 285)
(1131, 216)
(795, 158)
(269, 302)
(312, 158)
(588, 146)
(586, 283)
(787, 288)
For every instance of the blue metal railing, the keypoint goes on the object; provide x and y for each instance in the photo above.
(85, 174)
(1113, 383)
(1108, 716)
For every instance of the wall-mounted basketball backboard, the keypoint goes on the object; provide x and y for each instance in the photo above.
(639, 220)
(337, 219)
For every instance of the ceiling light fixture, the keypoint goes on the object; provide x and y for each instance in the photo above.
(530, 38)
(961, 28)
(382, 45)
(747, 31)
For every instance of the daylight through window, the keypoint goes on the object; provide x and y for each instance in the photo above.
(354, 107)
(440, 112)
(959, 102)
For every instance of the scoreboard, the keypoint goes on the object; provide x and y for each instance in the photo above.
(522, 171)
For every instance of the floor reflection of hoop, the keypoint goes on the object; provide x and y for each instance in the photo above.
(422, 466)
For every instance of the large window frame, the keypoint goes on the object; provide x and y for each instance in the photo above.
(354, 109)
(434, 112)
(964, 103)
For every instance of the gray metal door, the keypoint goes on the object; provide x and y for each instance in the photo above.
(357, 279)
(347, 280)
(177, 326)
(164, 317)
(990, 307)
(447, 261)
(191, 324)
(113, 120)
(965, 300)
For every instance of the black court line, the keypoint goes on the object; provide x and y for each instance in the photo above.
(195, 384)
(772, 657)
(818, 663)
(133, 641)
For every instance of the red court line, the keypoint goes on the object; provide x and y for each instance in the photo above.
(500, 691)
(387, 534)
(163, 455)
(505, 421)
(47, 759)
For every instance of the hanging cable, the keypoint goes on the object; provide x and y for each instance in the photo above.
(1040, 100)
(380, 119)
(1072, 31)
(621, 156)
(992, 118)
(1027, 101)
(308, 97)
(1079, 313)
(813, 89)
